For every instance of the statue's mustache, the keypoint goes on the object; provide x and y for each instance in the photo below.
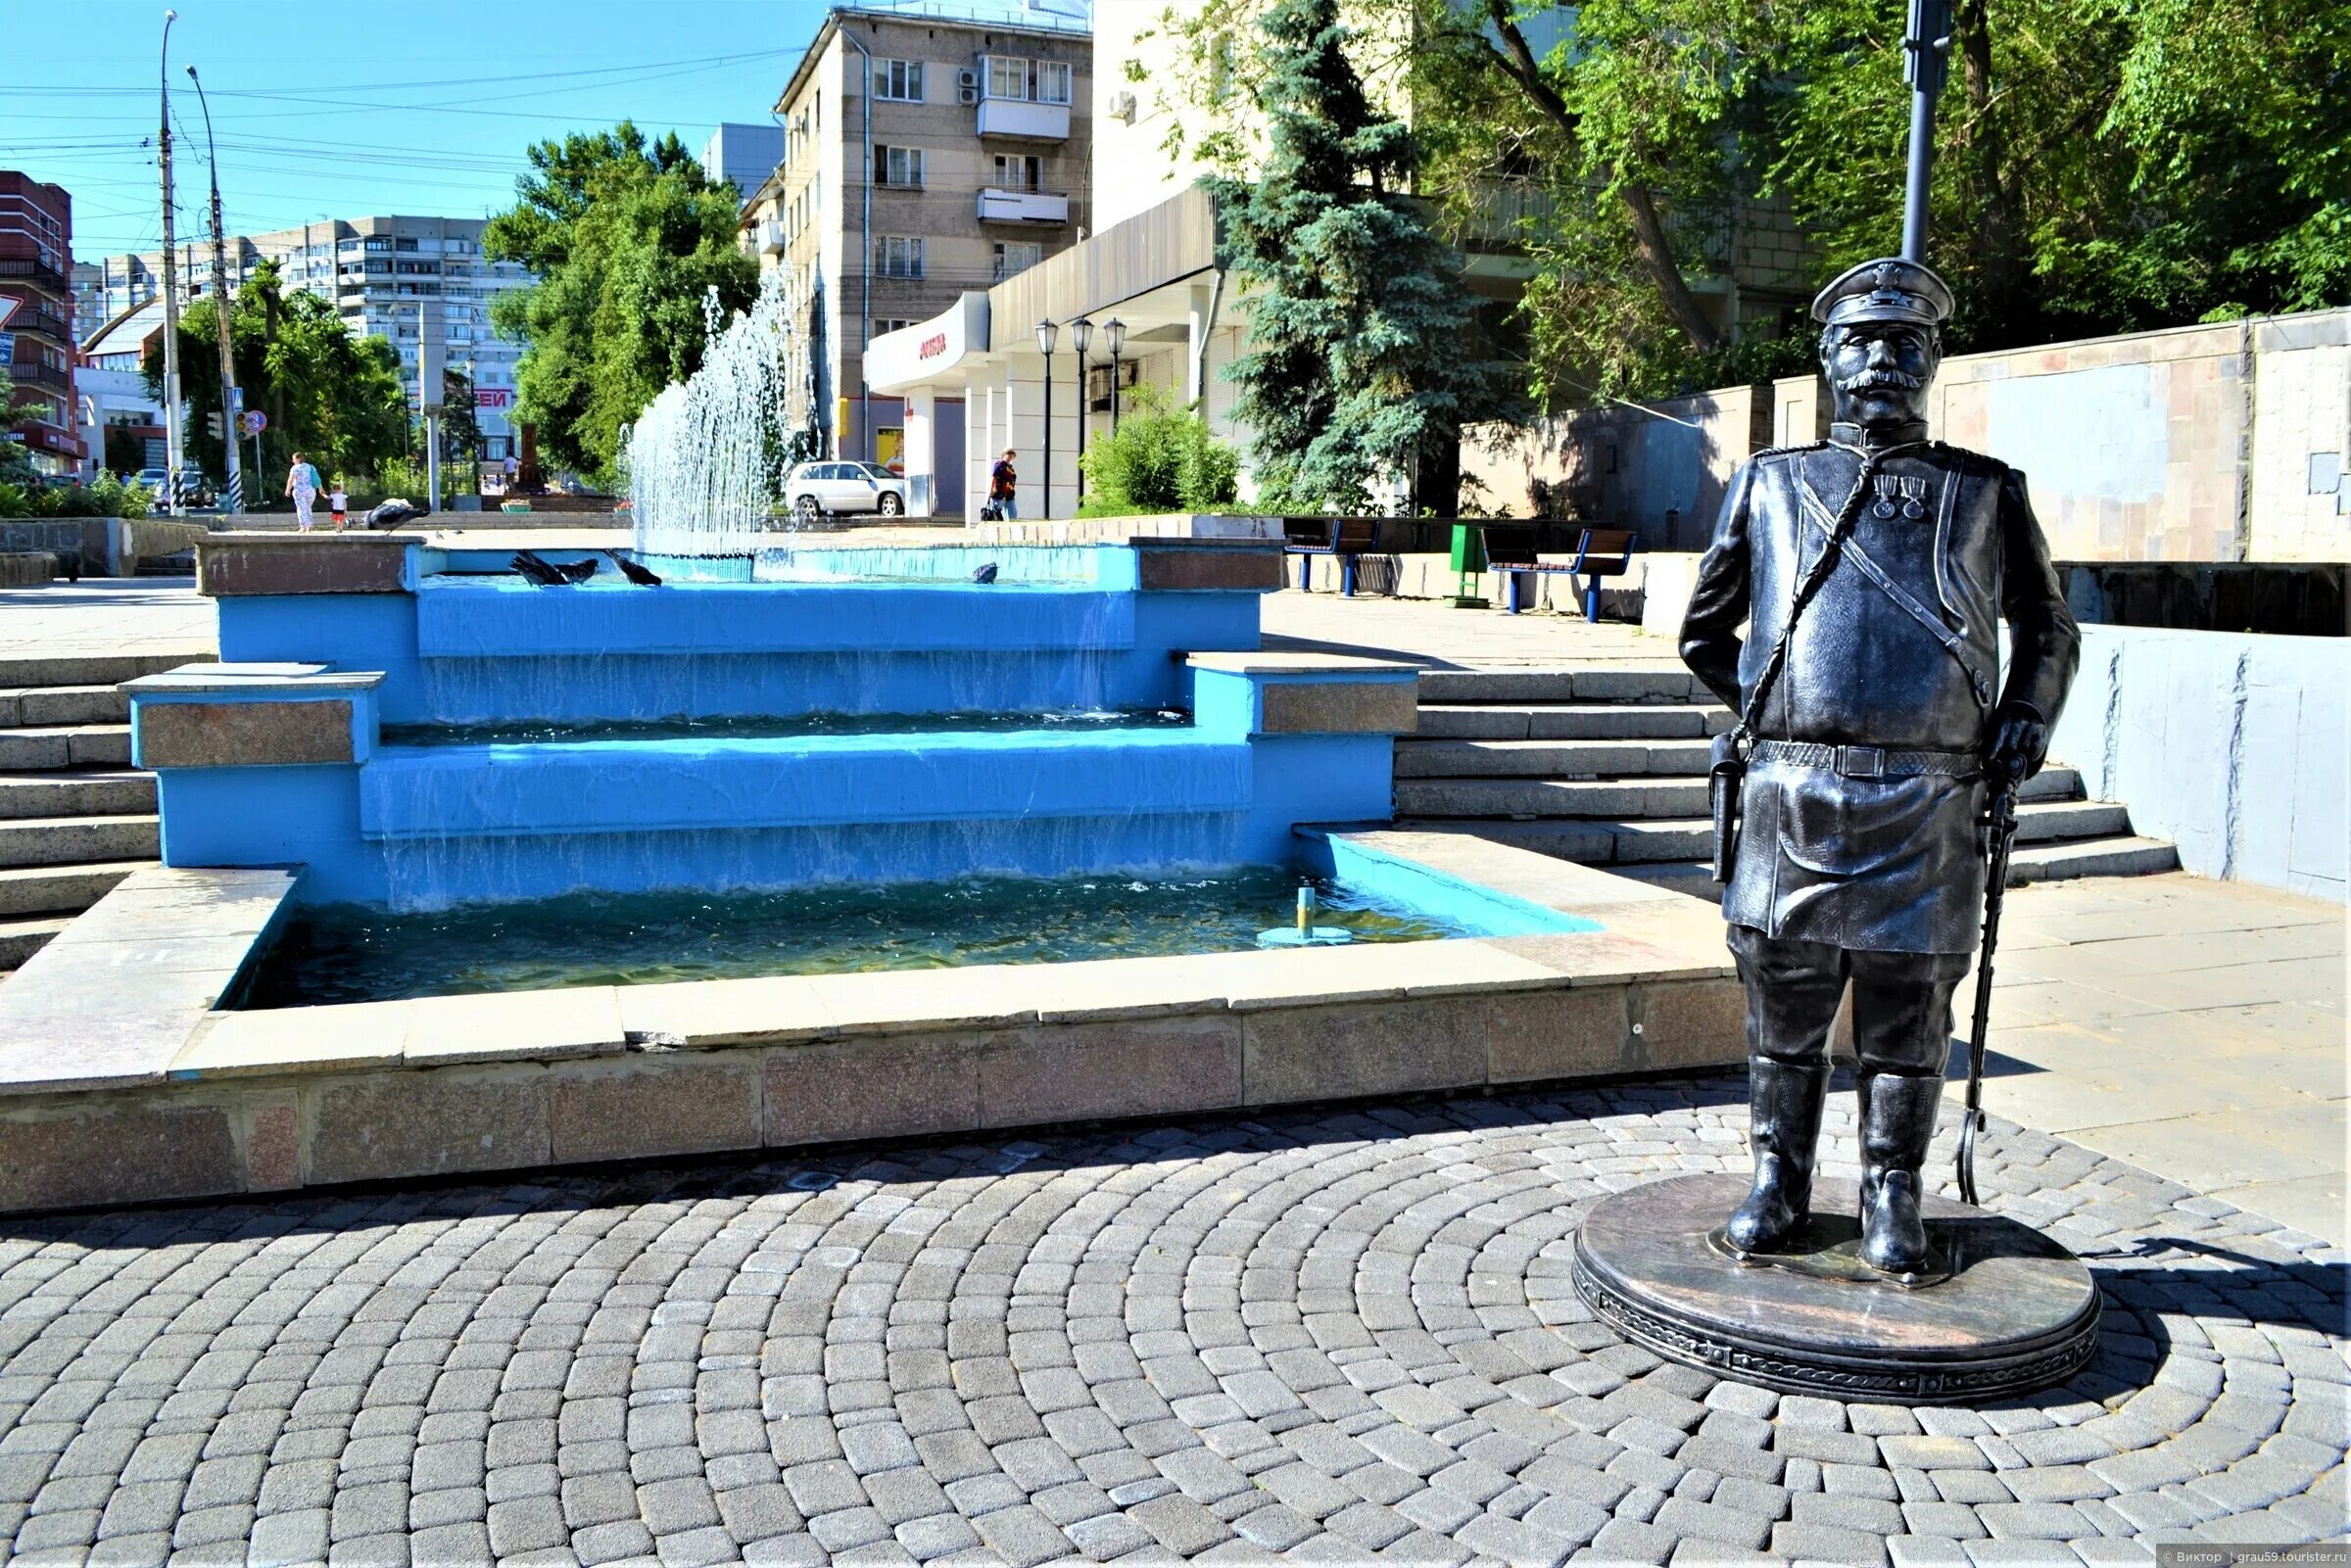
(1871, 379)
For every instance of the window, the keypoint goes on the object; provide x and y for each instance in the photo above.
(899, 165)
(1047, 82)
(890, 323)
(899, 256)
(1016, 256)
(343, 247)
(1019, 173)
(1007, 78)
(404, 243)
(379, 242)
(901, 79)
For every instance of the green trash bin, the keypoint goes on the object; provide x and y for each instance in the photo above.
(1468, 566)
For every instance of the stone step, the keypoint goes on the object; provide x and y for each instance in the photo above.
(1651, 841)
(19, 939)
(79, 840)
(1571, 720)
(64, 704)
(1505, 798)
(22, 671)
(76, 792)
(2118, 856)
(65, 746)
(1551, 759)
(61, 889)
(2121, 856)
(1591, 682)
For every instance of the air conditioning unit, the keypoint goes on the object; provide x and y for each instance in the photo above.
(967, 86)
(1122, 107)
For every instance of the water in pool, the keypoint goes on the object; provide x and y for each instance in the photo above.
(346, 953)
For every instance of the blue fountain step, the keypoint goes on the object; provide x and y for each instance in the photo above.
(505, 617)
(604, 787)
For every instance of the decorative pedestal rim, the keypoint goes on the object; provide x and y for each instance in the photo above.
(2034, 1337)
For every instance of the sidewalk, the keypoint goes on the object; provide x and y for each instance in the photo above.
(2192, 1029)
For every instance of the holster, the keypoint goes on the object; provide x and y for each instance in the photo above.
(1726, 780)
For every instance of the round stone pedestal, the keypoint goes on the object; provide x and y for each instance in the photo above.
(2005, 1309)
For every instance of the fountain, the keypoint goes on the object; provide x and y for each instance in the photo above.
(422, 727)
(702, 458)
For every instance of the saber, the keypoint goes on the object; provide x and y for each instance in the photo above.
(2000, 822)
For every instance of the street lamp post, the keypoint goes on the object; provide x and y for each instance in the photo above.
(221, 308)
(173, 454)
(1047, 333)
(1114, 331)
(1082, 334)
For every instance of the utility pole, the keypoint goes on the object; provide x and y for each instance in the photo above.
(172, 454)
(222, 300)
(1926, 56)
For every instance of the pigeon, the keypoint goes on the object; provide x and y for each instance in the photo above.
(642, 576)
(392, 514)
(985, 574)
(578, 571)
(538, 569)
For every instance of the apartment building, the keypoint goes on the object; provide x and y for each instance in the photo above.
(393, 277)
(744, 154)
(923, 156)
(36, 319)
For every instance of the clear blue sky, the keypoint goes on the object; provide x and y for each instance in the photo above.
(339, 108)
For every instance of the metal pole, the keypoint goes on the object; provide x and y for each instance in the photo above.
(172, 455)
(1925, 50)
(1047, 513)
(220, 308)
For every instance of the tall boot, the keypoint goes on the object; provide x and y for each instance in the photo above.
(1897, 1124)
(1784, 1105)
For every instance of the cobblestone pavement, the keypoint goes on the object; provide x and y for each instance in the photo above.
(1325, 1335)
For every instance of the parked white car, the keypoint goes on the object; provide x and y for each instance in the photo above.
(818, 488)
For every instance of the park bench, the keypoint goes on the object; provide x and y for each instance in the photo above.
(1598, 552)
(1346, 538)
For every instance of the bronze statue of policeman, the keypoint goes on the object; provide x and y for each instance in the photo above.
(1874, 568)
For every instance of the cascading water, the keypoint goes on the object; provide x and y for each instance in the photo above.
(703, 457)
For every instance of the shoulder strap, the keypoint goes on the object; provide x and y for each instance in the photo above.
(1807, 591)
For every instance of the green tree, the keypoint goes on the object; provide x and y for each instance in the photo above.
(628, 240)
(16, 463)
(460, 428)
(2101, 166)
(1362, 359)
(338, 396)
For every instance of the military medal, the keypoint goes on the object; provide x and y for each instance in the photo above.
(1914, 492)
(1885, 488)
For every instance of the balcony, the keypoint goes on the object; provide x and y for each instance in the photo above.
(28, 376)
(770, 241)
(42, 275)
(31, 317)
(1000, 206)
(1024, 119)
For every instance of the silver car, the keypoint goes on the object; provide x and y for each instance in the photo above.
(818, 488)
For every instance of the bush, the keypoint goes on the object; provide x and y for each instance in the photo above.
(1160, 461)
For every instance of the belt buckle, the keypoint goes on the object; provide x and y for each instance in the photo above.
(1861, 762)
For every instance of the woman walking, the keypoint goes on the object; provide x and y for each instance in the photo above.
(302, 483)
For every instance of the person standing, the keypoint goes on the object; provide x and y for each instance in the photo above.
(335, 502)
(302, 483)
(1003, 485)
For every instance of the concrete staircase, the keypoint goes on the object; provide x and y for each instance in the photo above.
(75, 817)
(1606, 766)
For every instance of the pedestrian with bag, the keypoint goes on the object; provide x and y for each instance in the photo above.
(1003, 486)
(302, 483)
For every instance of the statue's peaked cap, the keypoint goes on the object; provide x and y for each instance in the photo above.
(1889, 289)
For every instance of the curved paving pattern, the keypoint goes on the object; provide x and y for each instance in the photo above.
(1325, 1335)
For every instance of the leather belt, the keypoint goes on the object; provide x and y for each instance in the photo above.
(1868, 762)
